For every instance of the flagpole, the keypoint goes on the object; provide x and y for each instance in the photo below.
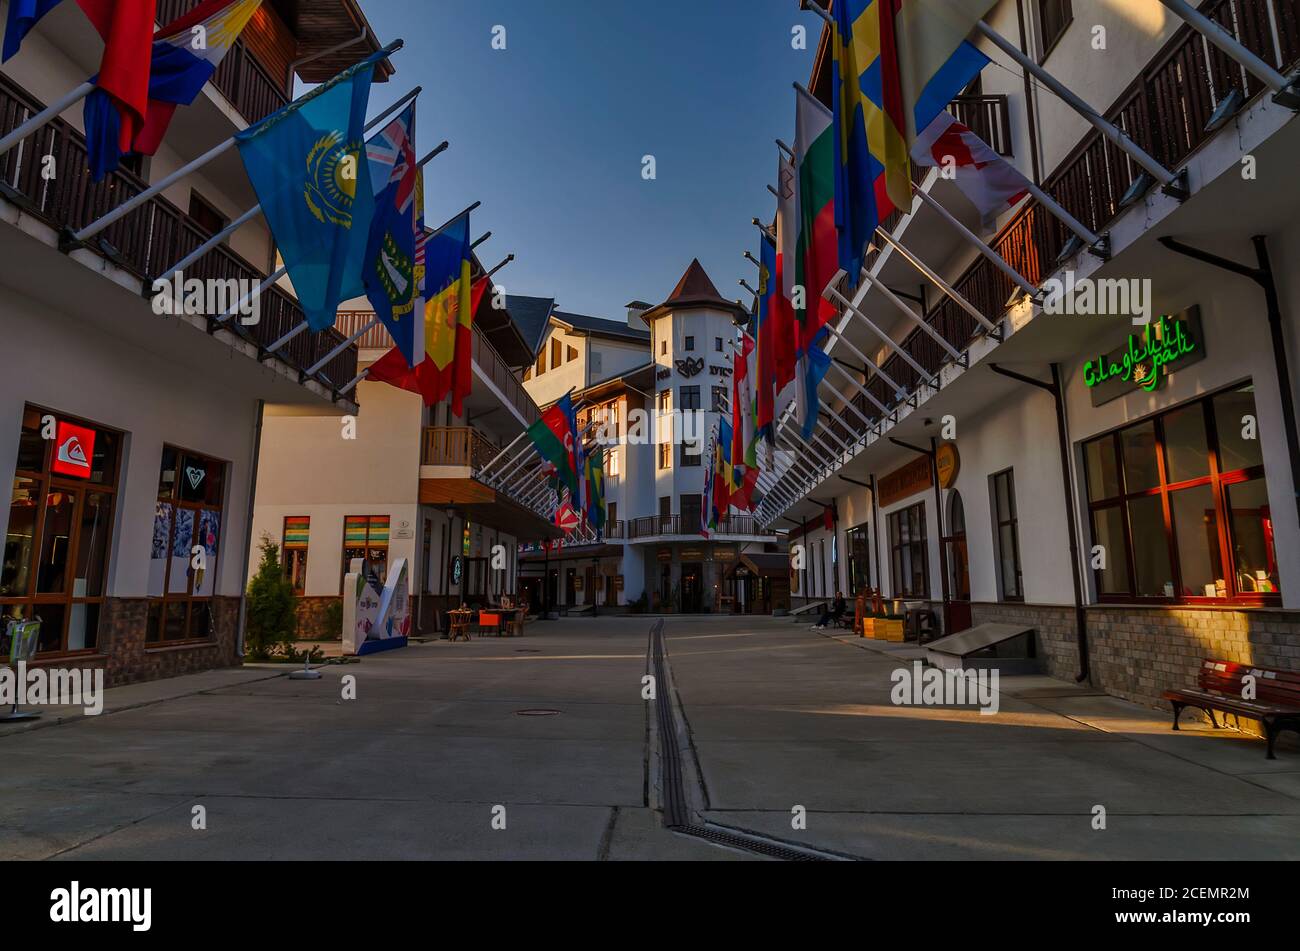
(1106, 128)
(45, 116)
(889, 341)
(861, 388)
(898, 387)
(937, 280)
(971, 238)
(124, 209)
(911, 315)
(1284, 90)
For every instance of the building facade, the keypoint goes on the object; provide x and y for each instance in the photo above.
(130, 439)
(1114, 466)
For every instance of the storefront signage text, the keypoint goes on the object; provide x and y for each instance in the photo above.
(1145, 360)
(914, 477)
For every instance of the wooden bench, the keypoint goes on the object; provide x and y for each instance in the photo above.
(1222, 686)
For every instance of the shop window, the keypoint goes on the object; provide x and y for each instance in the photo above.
(366, 537)
(859, 546)
(909, 553)
(188, 519)
(61, 510)
(297, 536)
(1006, 529)
(1179, 507)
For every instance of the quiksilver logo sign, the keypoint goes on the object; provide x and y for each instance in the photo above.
(133, 906)
(72, 453)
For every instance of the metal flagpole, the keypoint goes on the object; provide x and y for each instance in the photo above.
(848, 402)
(938, 281)
(910, 314)
(45, 116)
(124, 209)
(971, 238)
(1108, 129)
(898, 387)
(889, 341)
(1284, 89)
(863, 390)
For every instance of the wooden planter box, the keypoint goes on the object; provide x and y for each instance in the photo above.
(884, 630)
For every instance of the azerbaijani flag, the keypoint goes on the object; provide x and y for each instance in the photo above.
(115, 111)
(555, 436)
(872, 170)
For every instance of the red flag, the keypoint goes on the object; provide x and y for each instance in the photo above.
(425, 378)
(828, 517)
(127, 30)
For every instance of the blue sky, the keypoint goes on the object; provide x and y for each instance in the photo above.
(550, 133)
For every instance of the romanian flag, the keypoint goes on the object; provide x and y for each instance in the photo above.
(872, 169)
(118, 107)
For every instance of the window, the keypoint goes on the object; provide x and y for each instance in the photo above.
(1179, 505)
(909, 553)
(297, 533)
(205, 215)
(689, 345)
(571, 354)
(541, 362)
(56, 549)
(1054, 18)
(613, 513)
(528, 374)
(690, 397)
(663, 347)
(691, 514)
(187, 524)
(613, 468)
(665, 515)
(692, 455)
(1006, 537)
(557, 354)
(664, 402)
(665, 455)
(719, 399)
(859, 545)
(717, 344)
(366, 537)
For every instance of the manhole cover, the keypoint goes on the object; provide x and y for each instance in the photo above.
(537, 713)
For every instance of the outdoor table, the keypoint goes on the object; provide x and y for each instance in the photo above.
(459, 622)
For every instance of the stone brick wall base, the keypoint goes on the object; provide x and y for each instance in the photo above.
(313, 619)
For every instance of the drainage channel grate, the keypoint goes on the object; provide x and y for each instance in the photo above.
(537, 713)
(677, 815)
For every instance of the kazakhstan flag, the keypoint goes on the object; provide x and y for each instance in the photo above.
(308, 165)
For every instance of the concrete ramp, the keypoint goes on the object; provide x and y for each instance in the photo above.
(1011, 648)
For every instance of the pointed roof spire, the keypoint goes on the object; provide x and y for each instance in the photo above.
(695, 290)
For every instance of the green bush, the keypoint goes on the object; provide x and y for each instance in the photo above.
(272, 608)
(334, 621)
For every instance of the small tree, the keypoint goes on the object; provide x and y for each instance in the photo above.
(272, 607)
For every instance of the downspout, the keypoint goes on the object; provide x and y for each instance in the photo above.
(1063, 439)
(1031, 121)
(248, 523)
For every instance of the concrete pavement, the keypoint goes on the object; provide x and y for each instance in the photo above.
(553, 728)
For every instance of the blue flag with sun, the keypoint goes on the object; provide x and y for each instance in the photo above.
(308, 165)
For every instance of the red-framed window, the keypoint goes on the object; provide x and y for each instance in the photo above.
(1179, 507)
(293, 551)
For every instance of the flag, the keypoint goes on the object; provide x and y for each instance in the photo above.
(186, 54)
(308, 166)
(829, 517)
(816, 251)
(706, 500)
(992, 184)
(724, 476)
(555, 436)
(449, 311)
(744, 446)
(390, 270)
(936, 61)
(595, 479)
(115, 111)
(872, 170)
(814, 364)
(424, 378)
(23, 15)
(771, 342)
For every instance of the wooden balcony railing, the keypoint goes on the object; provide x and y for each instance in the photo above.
(659, 526)
(150, 239)
(241, 78)
(988, 117)
(1165, 110)
(458, 446)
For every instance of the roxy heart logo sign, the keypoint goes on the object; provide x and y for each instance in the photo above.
(195, 476)
(74, 447)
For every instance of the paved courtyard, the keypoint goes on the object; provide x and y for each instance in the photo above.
(554, 731)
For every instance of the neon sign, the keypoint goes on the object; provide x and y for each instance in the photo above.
(1146, 359)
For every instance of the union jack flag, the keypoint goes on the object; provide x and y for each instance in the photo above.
(391, 154)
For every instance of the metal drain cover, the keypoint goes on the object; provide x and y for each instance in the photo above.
(537, 713)
(525, 650)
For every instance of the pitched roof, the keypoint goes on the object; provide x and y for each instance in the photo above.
(601, 325)
(531, 316)
(695, 290)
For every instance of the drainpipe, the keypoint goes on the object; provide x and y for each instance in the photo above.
(1063, 439)
(248, 523)
(1263, 276)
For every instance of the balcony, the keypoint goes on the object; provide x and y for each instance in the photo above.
(688, 526)
(988, 117)
(460, 447)
(241, 78)
(150, 239)
(490, 366)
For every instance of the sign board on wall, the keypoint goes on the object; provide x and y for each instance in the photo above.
(1146, 358)
(948, 461)
(74, 447)
(912, 478)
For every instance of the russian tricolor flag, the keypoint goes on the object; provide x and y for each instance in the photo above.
(185, 54)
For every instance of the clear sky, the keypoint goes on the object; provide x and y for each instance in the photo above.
(550, 133)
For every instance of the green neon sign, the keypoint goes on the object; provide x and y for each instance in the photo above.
(1144, 361)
